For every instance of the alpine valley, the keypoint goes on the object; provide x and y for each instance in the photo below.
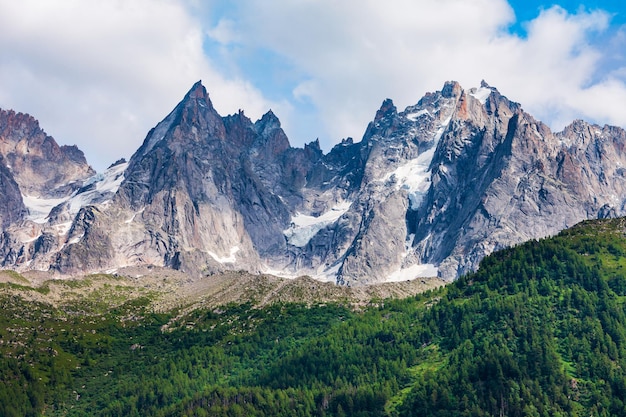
(188, 281)
(428, 191)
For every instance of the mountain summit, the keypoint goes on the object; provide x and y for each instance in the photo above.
(427, 191)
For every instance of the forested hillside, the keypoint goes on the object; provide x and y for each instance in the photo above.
(539, 330)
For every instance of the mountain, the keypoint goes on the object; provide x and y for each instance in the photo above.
(499, 177)
(34, 167)
(428, 191)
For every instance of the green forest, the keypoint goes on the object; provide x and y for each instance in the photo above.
(539, 330)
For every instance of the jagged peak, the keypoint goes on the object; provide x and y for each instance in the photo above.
(578, 124)
(118, 162)
(10, 119)
(386, 109)
(197, 90)
(270, 115)
(199, 93)
(314, 146)
(18, 116)
(579, 128)
(269, 121)
(485, 85)
(314, 149)
(451, 89)
(240, 116)
(195, 106)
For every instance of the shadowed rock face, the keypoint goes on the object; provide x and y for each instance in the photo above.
(12, 208)
(428, 190)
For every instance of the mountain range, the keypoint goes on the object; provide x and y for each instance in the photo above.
(427, 191)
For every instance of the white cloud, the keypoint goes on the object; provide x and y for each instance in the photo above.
(102, 73)
(352, 54)
(552, 71)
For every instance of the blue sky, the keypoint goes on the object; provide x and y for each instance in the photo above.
(526, 10)
(100, 74)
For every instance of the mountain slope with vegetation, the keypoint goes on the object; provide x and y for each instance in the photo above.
(539, 330)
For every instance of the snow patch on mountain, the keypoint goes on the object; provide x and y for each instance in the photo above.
(481, 94)
(62, 228)
(230, 259)
(75, 239)
(96, 188)
(414, 175)
(39, 208)
(304, 227)
(413, 272)
(327, 274)
(414, 116)
(132, 218)
(441, 130)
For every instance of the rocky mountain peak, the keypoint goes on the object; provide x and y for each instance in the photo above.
(193, 119)
(451, 89)
(385, 121)
(267, 122)
(387, 109)
(39, 165)
(198, 92)
(196, 110)
(15, 126)
(272, 139)
(314, 147)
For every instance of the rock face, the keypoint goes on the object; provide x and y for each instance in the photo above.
(427, 191)
(12, 208)
(39, 165)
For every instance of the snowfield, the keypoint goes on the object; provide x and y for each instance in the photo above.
(304, 227)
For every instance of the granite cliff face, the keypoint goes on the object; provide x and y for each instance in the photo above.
(39, 165)
(427, 191)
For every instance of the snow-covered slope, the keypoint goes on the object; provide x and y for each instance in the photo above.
(303, 227)
(99, 188)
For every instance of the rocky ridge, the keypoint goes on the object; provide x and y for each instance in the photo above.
(427, 191)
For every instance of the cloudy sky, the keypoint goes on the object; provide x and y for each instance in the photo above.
(101, 73)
